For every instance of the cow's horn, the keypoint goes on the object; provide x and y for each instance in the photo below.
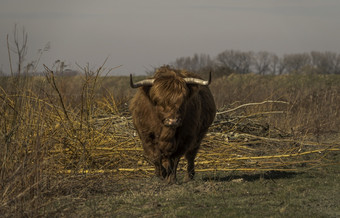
(196, 81)
(146, 82)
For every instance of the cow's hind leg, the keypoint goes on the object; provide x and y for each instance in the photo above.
(190, 156)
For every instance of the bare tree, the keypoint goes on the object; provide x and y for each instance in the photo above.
(326, 62)
(19, 47)
(281, 67)
(294, 63)
(194, 64)
(262, 61)
(238, 61)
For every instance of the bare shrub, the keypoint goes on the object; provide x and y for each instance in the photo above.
(313, 99)
(51, 125)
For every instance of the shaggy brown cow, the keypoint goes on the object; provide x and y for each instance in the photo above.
(172, 113)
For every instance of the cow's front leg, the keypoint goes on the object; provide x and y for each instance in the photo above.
(156, 160)
(160, 171)
(171, 169)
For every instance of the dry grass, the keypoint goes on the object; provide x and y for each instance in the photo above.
(56, 126)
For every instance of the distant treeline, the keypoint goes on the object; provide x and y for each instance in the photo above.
(263, 63)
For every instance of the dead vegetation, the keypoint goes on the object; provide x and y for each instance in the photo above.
(54, 128)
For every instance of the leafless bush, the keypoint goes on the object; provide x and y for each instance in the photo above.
(312, 100)
(46, 131)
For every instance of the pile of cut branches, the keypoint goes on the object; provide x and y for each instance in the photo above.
(235, 142)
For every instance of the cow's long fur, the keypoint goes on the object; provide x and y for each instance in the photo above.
(171, 97)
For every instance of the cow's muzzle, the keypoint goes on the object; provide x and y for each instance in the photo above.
(172, 122)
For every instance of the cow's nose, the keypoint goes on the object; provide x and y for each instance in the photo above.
(172, 122)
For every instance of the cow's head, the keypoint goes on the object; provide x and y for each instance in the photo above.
(169, 91)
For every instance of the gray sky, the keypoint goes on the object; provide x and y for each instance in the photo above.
(141, 34)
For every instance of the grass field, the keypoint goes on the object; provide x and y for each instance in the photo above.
(313, 193)
(68, 148)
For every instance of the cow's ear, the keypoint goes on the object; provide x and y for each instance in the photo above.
(193, 89)
(146, 90)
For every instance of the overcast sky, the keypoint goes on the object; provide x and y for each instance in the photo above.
(141, 34)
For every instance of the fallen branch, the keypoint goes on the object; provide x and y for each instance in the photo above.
(251, 104)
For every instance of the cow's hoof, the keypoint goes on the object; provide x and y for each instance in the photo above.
(189, 177)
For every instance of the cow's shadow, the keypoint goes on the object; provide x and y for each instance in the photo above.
(270, 175)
